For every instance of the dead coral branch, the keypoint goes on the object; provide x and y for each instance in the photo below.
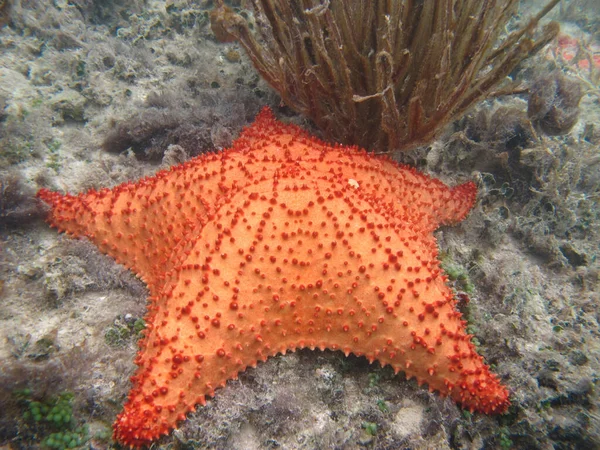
(385, 75)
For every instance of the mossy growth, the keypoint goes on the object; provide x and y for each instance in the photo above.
(53, 160)
(43, 348)
(382, 405)
(370, 428)
(15, 152)
(374, 378)
(37, 102)
(54, 420)
(67, 439)
(457, 274)
(504, 438)
(123, 329)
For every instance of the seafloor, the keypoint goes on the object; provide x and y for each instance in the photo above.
(95, 93)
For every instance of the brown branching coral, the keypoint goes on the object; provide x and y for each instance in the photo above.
(383, 74)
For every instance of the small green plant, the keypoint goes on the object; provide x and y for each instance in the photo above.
(374, 379)
(138, 326)
(457, 274)
(54, 417)
(80, 69)
(545, 405)
(57, 411)
(504, 438)
(16, 152)
(116, 336)
(370, 428)
(382, 405)
(122, 330)
(37, 102)
(103, 435)
(67, 439)
(54, 145)
(54, 157)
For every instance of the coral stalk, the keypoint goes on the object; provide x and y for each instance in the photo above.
(385, 75)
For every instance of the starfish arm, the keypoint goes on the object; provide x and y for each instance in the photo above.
(134, 223)
(144, 225)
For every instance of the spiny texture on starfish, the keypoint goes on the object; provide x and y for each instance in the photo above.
(281, 242)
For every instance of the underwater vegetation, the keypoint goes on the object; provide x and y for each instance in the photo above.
(17, 206)
(55, 415)
(385, 75)
(553, 104)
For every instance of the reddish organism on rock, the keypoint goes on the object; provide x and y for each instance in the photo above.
(278, 243)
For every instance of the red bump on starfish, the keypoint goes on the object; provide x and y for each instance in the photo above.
(281, 242)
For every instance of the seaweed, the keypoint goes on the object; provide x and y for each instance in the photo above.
(18, 205)
(186, 120)
(553, 104)
(385, 75)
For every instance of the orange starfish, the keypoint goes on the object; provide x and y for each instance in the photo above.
(281, 242)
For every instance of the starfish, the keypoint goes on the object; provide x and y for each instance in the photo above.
(278, 243)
